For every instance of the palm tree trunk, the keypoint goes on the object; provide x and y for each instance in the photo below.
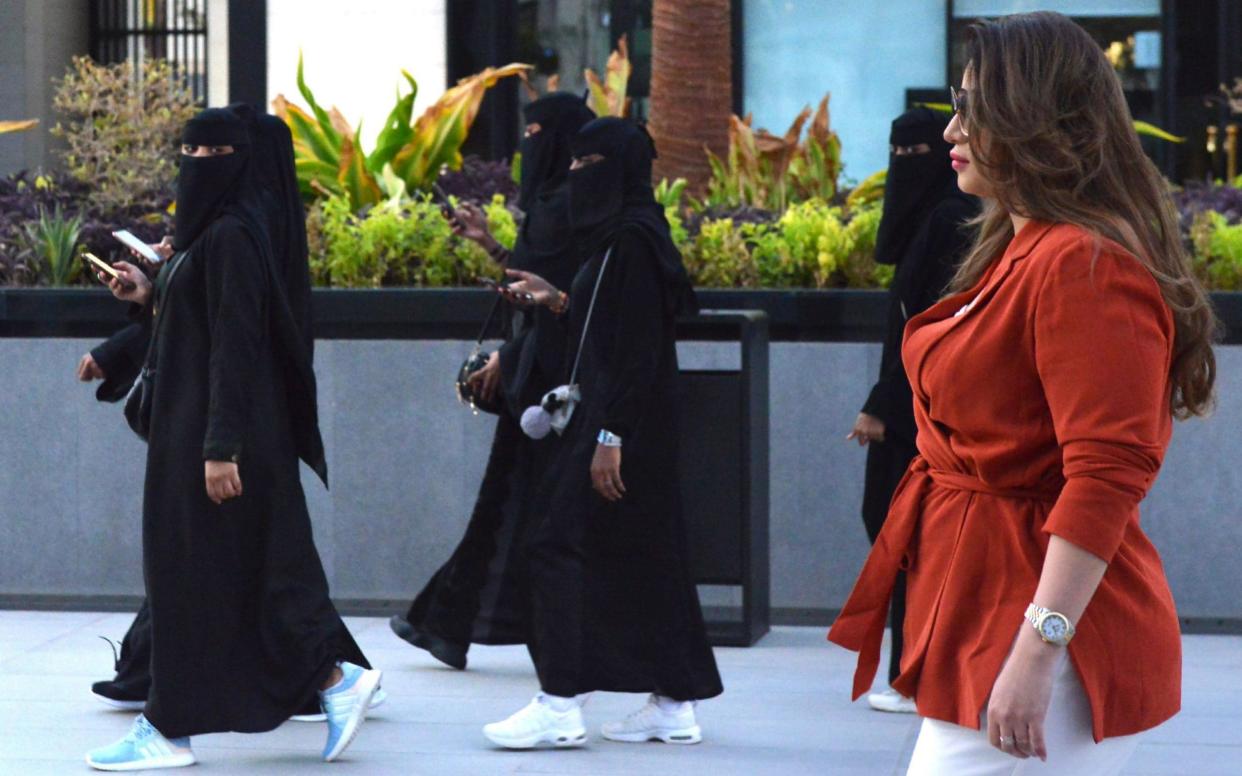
(691, 86)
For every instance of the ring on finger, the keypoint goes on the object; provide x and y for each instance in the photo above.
(1004, 742)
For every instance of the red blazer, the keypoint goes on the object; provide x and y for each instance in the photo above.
(1041, 398)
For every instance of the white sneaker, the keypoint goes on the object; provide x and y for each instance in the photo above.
(538, 723)
(892, 701)
(652, 723)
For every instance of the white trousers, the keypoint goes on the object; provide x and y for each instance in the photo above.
(945, 749)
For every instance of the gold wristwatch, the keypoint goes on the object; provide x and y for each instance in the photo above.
(1053, 627)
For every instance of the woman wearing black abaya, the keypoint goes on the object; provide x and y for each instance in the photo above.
(922, 233)
(243, 631)
(449, 613)
(613, 604)
(120, 358)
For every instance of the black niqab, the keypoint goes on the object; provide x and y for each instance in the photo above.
(544, 245)
(205, 185)
(615, 193)
(916, 182)
(545, 154)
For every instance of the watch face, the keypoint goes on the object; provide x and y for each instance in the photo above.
(1053, 628)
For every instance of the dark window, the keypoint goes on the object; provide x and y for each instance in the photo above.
(1171, 57)
(141, 30)
(558, 37)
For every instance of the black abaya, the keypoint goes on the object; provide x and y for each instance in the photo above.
(120, 357)
(243, 631)
(615, 608)
(924, 270)
(480, 594)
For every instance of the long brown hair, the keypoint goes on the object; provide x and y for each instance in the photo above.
(1059, 146)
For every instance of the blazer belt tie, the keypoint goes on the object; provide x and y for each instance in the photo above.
(860, 626)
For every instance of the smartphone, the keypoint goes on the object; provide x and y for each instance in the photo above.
(131, 241)
(442, 199)
(492, 284)
(96, 264)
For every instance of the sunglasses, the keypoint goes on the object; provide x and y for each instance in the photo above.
(960, 105)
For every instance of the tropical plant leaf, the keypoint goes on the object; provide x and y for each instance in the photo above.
(870, 189)
(316, 159)
(354, 177)
(17, 126)
(397, 131)
(608, 97)
(1151, 130)
(441, 130)
(330, 131)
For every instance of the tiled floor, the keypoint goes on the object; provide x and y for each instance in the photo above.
(785, 711)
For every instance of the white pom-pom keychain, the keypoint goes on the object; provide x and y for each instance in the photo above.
(536, 422)
(553, 412)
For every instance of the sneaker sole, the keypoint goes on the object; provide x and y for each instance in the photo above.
(169, 761)
(369, 683)
(683, 737)
(119, 705)
(377, 700)
(568, 741)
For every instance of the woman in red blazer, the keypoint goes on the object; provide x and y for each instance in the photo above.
(1039, 622)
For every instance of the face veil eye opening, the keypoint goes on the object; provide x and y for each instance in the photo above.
(580, 162)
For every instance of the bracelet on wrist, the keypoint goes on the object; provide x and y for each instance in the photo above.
(608, 439)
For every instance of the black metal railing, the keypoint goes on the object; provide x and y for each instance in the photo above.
(141, 30)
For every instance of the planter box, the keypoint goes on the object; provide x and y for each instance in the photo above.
(794, 315)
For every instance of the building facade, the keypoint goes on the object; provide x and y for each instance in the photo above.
(1172, 57)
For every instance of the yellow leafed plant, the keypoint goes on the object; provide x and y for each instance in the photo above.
(607, 97)
(17, 126)
(774, 171)
(328, 151)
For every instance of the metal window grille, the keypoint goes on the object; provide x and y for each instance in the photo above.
(141, 30)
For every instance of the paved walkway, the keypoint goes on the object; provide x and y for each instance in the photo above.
(785, 711)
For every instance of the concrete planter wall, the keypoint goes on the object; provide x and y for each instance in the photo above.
(406, 458)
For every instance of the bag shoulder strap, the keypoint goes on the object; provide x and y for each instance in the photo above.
(174, 265)
(487, 324)
(586, 325)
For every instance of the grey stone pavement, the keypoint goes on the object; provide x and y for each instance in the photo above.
(785, 711)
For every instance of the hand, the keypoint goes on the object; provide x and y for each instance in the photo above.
(1020, 697)
(223, 480)
(529, 289)
(89, 370)
(867, 428)
(164, 248)
(485, 381)
(470, 221)
(134, 286)
(606, 472)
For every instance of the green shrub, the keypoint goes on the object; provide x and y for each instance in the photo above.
(121, 128)
(398, 244)
(1218, 251)
(812, 245)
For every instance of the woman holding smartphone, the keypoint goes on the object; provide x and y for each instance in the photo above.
(243, 631)
(1039, 622)
(614, 607)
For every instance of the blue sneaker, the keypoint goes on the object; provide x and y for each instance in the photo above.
(345, 707)
(144, 748)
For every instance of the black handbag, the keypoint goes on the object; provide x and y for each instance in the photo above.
(138, 400)
(473, 363)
